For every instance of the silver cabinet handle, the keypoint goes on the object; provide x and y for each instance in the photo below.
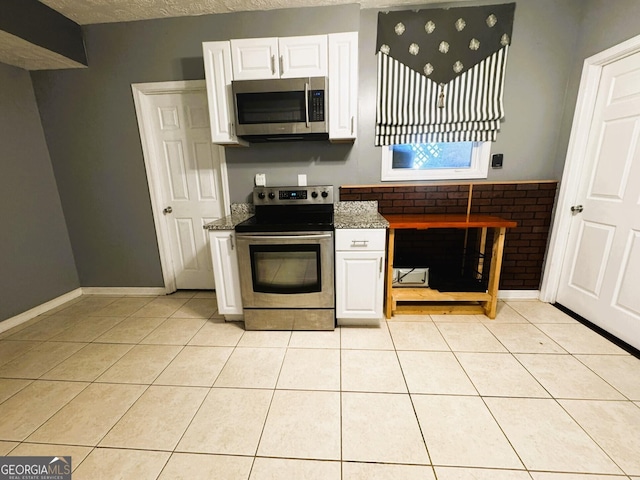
(359, 243)
(281, 65)
(167, 210)
(231, 242)
(381, 264)
(273, 64)
(577, 209)
(352, 122)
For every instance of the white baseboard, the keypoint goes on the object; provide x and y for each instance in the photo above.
(56, 302)
(518, 294)
(125, 291)
(39, 310)
(155, 291)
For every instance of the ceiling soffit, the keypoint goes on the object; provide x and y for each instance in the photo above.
(29, 56)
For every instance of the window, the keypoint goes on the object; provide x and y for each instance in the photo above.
(436, 161)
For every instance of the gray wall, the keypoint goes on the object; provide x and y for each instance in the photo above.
(90, 125)
(538, 68)
(89, 120)
(36, 262)
(605, 24)
(540, 63)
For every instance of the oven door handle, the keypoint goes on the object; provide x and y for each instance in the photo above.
(286, 237)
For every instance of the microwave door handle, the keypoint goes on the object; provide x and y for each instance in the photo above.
(306, 104)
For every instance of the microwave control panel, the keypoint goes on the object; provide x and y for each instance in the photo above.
(316, 107)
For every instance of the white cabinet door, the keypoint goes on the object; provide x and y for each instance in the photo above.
(303, 56)
(218, 74)
(343, 86)
(287, 57)
(255, 58)
(225, 271)
(360, 257)
(359, 285)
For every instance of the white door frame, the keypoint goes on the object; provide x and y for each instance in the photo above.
(573, 170)
(141, 92)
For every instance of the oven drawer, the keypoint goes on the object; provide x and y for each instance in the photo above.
(360, 239)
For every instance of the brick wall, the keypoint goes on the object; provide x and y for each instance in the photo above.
(528, 203)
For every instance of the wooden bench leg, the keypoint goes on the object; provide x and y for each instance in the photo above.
(491, 306)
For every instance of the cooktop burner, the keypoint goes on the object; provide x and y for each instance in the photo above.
(289, 209)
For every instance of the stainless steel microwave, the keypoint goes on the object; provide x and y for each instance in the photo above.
(281, 109)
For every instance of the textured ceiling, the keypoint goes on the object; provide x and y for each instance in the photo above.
(20, 53)
(86, 12)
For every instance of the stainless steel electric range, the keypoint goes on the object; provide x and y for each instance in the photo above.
(286, 259)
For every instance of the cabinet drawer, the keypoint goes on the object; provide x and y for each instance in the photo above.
(357, 239)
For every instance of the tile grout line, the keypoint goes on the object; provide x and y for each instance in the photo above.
(409, 394)
(210, 388)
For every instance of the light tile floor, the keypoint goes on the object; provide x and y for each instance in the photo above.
(163, 388)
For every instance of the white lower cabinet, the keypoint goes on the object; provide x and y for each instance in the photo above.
(360, 266)
(226, 273)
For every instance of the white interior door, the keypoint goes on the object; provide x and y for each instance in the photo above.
(601, 269)
(187, 178)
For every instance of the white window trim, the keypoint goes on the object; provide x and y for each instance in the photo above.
(479, 167)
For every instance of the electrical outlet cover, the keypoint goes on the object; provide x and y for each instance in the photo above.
(261, 180)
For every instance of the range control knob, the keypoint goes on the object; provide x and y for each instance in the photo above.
(261, 195)
(272, 195)
(325, 194)
(314, 194)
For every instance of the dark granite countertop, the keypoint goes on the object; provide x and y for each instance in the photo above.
(239, 213)
(358, 215)
(346, 215)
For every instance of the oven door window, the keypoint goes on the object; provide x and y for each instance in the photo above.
(286, 269)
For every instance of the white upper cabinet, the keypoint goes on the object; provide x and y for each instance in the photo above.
(334, 56)
(343, 86)
(288, 57)
(255, 58)
(303, 56)
(218, 74)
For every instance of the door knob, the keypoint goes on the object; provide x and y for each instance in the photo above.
(577, 209)
(167, 210)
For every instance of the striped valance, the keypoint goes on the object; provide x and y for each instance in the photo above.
(442, 103)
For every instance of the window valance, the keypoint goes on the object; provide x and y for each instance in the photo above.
(441, 73)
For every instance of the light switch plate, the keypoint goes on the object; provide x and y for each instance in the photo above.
(261, 179)
(302, 180)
